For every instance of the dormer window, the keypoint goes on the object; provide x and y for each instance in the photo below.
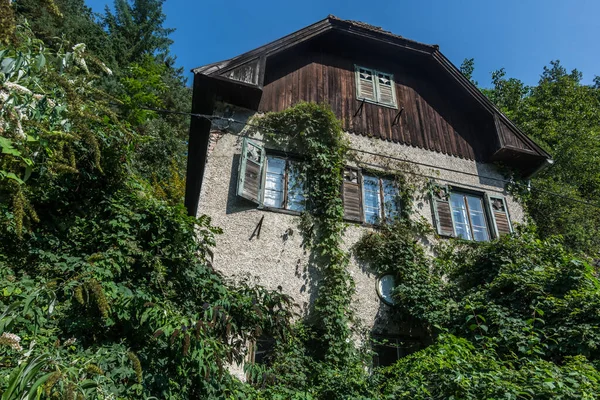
(375, 87)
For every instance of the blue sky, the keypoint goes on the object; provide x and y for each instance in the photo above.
(520, 35)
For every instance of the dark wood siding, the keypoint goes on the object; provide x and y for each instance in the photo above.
(509, 138)
(433, 118)
(247, 73)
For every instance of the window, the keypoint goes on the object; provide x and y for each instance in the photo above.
(385, 288)
(375, 86)
(274, 181)
(369, 198)
(388, 350)
(283, 186)
(380, 199)
(270, 180)
(469, 215)
(261, 351)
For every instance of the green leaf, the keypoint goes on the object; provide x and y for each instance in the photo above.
(40, 61)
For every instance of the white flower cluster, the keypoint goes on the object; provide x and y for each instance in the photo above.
(11, 340)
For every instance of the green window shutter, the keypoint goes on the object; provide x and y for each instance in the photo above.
(252, 161)
(365, 84)
(500, 216)
(351, 195)
(385, 88)
(442, 213)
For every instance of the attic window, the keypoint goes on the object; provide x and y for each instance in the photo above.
(375, 87)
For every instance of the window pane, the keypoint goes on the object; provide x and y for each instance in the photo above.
(475, 203)
(372, 198)
(481, 234)
(478, 221)
(387, 353)
(274, 182)
(366, 74)
(459, 214)
(390, 199)
(384, 79)
(463, 231)
(457, 201)
(296, 199)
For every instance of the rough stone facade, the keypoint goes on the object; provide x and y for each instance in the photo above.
(276, 257)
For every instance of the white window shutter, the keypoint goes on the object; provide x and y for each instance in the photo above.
(365, 84)
(385, 89)
(252, 161)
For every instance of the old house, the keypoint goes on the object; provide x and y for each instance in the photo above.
(397, 99)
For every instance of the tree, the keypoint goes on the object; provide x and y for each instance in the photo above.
(562, 115)
(136, 30)
(68, 22)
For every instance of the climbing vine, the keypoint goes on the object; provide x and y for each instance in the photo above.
(313, 132)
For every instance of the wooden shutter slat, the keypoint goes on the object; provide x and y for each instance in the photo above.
(351, 196)
(385, 94)
(442, 213)
(385, 88)
(250, 173)
(499, 210)
(365, 89)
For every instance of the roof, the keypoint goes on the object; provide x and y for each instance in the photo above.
(255, 60)
(331, 22)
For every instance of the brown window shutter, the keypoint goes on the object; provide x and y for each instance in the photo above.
(500, 216)
(442, 213)
(252, 161)
(351, 195)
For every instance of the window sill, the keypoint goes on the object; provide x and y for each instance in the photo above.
(280, 211)
(392, 106)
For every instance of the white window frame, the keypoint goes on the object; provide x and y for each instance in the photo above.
(382, 218)
(376, 90)
(485, 212)
(285, 202)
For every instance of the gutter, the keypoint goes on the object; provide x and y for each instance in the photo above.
(546, 164)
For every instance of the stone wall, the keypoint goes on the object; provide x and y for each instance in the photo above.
(274, 254)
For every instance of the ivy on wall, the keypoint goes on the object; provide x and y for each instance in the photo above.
(313, 132)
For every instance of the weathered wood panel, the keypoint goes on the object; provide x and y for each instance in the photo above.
(509, 138)
(430, 120)
(247, 73)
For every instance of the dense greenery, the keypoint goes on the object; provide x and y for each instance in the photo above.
(107, 285)
(562, 115)
(514, 318)
(107, 289)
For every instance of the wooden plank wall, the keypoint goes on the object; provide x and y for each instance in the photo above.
(430, 120)
(510, 139)
(247, 73)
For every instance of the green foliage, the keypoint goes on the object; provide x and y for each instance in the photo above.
(109, 292)
(314, 132)
(455, 368)
(143, 86)
(396, 249)
(562, 115)
(66, 24)
(467, 67)
(136, 31)
(518, 317)
(107, 286)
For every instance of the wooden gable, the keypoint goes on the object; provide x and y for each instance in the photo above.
(435, 107)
